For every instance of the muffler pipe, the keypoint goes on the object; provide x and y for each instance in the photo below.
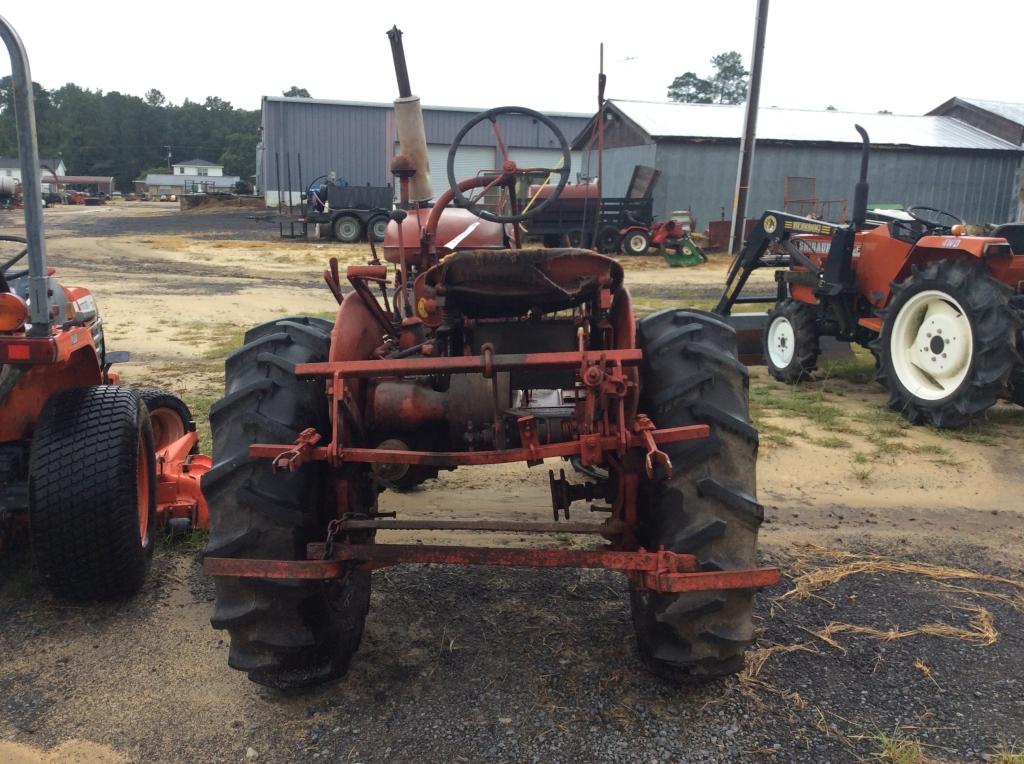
(412, 138)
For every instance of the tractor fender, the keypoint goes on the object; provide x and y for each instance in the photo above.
(22, 407)
(355, 337)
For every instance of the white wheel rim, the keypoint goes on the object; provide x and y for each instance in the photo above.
(636, 243)
(379, 228)
(781, 342)
(347, 229)
(931, 345)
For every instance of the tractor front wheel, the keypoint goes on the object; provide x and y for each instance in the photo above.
(948, 343)
(708, 507)
(636, 243)
(92, 493)
(790, 341)
(285, 634)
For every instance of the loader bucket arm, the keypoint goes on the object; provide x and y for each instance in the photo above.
(31, 179)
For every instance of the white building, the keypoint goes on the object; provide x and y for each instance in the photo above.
(196, 176)
(11, 168)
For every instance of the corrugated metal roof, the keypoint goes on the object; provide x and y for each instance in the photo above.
(717, 121)
(1011, 111)
(197, 163)
(378, 105)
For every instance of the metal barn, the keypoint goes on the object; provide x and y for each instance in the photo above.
(303, 138)
(806, 160)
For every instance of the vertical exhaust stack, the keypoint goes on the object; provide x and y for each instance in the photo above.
(412, 138)
(860, 191)
(31, 181)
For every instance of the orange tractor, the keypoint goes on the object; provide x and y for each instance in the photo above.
(941, 311)
(88, 468)
(479, 351)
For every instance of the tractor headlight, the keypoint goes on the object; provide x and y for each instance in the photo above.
(13, 312)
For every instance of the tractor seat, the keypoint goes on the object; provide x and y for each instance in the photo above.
(491, 283)
(1014, 234)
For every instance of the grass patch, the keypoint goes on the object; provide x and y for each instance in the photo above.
(897, 749)
(807, 404)
(859, 457)
(194, 542)
(862, 474)
(931, 449)
(831, 441)
(226, 340)
(1009, 754)
(200, 404)
(859, 370)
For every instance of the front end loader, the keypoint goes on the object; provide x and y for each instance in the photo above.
(480, 351)
(89, 469)
(940, 311)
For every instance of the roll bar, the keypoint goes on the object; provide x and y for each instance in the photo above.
(31, 180)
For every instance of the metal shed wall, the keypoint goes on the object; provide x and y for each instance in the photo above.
(979, 186)
(355, 140)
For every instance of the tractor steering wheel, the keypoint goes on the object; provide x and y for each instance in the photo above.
(509, 170)
(935, 218)
(6, 265)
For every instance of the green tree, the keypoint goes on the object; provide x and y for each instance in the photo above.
(296, 92)
(689, 88)
(728, 84)
(154, 97)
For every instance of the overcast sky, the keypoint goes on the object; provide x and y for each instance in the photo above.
(906, 56)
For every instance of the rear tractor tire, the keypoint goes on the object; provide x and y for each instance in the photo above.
(948, 345)
(285, 634)
(376, 228)
(709, 507)
(790, 341)
(92, 493)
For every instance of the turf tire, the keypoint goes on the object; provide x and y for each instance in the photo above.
(284, 634)
(708, 507)
(84, 493)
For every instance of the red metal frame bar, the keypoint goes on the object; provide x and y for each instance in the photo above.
(459, 458)
(659, 571)
(466, 364)
(609, 528)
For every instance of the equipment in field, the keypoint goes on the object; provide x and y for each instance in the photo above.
(479, 351)
(941, 311)
(89, 469)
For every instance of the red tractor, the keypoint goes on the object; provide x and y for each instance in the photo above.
(479, 351)
(941, 311)
(88, 468)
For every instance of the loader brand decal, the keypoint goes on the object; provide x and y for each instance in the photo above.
(807, 227)
(770, 224)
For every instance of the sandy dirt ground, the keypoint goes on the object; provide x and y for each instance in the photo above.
(541, 664)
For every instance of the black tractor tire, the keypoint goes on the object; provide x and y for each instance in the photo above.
(608, 240)
(994, 325)
(1017, 377)
(169, 416)
(285, 634)
(347, 229)
(91, 468)
(376, 227)
(708, 507)
(791, 321)
(636, 243)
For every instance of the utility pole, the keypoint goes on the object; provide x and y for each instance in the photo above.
(739, 206)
